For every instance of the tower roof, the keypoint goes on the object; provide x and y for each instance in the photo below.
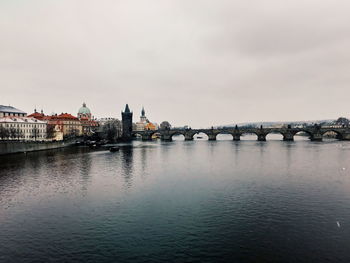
(143, 112)
(127, 110)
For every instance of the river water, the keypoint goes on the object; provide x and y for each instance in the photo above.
(197, 201)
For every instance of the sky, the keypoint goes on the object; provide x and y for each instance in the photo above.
(190, 62)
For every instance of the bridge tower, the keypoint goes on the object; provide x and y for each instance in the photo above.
(127, 124)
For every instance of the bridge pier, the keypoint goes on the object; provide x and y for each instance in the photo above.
(236, 137)
(288, 137)
(261, 137)
(189, 137)
(316, 137)
(146, 138)
(166, 137)
(212, 137)
(345, 137)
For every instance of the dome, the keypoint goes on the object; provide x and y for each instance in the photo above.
(84, 110)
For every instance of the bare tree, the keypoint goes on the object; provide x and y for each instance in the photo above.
(50, 131)
(4, 133)
(13, 132)
(35, 133)
(20, 134)
(111, 130)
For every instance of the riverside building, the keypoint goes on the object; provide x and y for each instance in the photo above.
(23, 129)
(60, 126)
(144, 123)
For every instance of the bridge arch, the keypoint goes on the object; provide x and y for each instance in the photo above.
(275, 136)
(249, 136)
(302, 135)
(144, 135)
(224, 136)
(178, 136)
(137, 134)
(332, 134)
(200, 135)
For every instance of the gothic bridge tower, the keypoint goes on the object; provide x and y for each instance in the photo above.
(127, 124)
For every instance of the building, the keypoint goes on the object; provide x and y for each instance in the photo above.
(66, 125)
(69, 125)
(151, 126)
(53, 131)
(144, 123)
(60, 126)
(127, 124)
(22, 128)
(140, 125)
(89, 125)
(9, 111)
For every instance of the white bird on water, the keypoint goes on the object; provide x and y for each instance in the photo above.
(338, 224)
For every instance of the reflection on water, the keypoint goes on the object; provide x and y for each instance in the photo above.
(204, 201)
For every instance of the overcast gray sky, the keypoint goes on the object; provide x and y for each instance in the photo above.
(193, 62)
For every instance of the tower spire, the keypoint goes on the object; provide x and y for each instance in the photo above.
(127, 110)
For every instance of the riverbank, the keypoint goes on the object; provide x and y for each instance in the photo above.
(11, 147)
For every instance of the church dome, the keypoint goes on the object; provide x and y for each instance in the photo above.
(84, 110)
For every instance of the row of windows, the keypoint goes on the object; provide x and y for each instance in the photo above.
(31, 130)
(41, 136)
(6, 114)
(22, 125)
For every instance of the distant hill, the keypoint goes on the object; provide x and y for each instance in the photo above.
(277, 123)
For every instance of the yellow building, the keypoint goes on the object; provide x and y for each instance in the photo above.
(150, 127)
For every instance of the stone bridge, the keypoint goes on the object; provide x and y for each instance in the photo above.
(315, 133)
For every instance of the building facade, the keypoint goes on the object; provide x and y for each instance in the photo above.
(69, 125)
(23, 129)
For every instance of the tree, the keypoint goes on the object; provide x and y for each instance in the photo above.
(4, 133)
(111, 130)
(15, 133)
(35, 133)
(20, 134)
(165, 125)
(342, 121)
(50, 131)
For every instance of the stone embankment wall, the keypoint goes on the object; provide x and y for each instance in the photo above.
(7, 147)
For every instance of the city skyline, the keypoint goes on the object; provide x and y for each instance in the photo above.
(188, 62)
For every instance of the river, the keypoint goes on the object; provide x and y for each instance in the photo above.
(196, 201)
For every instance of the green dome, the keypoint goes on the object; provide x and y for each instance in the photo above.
(84, 110)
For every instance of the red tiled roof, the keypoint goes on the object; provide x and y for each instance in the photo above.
(36, 115)
(66, 116)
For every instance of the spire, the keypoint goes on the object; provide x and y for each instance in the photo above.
(84, 104)
(143, 112)
(127, 110)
